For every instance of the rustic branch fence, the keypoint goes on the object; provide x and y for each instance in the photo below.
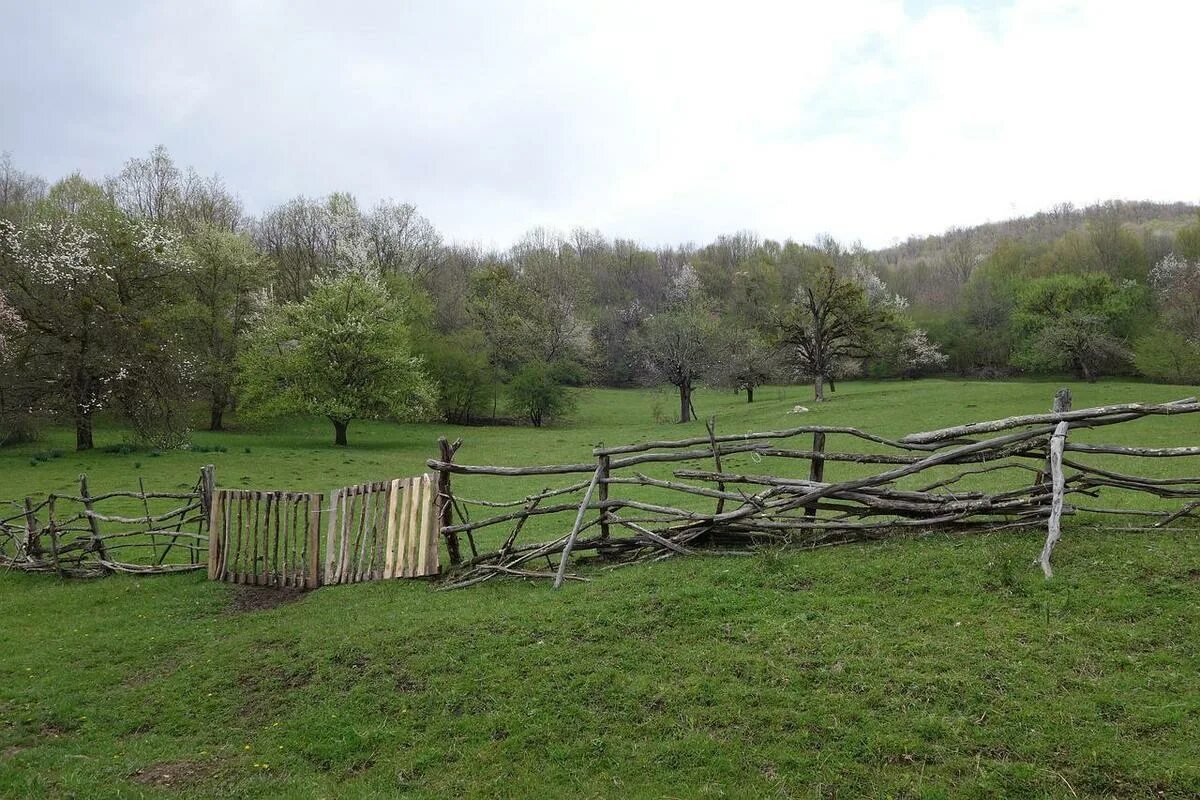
(393, 529)
(87, 535)
(722, 510)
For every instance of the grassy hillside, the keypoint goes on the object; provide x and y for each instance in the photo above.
(922, 667)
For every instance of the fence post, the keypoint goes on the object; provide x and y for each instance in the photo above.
(446, 499)
(97, 544)
(1062, 404)
(605, 462)
(711, 425)
(53, 532)
(33, 545)
(816, 468)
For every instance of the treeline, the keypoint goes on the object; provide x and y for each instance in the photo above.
(152, 290)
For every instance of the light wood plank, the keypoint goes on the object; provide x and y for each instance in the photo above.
(422, 527)
(331, 537)
(414, 534)
(389, 570)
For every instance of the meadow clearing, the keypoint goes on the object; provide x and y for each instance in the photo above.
(922, 666)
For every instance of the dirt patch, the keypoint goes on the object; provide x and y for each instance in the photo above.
(261, 598)
(175, 773)
(9, 752)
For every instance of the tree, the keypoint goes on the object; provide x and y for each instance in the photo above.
(835, 319)
(1079, 322)
(538, 395)
(222, 288)
(95, 288)
(745, 362)
(1168, 356)
(342, 353)
(466, 382)
(678, 347)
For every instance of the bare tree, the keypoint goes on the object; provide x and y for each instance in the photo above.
(677, 347)
(832, 320)
(149, 187)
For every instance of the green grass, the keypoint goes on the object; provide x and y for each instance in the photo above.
(920, 667)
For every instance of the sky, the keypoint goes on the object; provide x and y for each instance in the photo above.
(870, 120)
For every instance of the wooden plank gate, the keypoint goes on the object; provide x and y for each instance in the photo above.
(265, 538)
(379, 531)
(374, 531)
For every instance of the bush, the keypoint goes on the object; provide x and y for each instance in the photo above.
(1169, 357)
(535, 395)
(465, 380)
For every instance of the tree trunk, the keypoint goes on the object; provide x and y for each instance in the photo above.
(819, 388)
(685, 402)
(339, 432)
(215, 419)
(749, 394)
(83, 429)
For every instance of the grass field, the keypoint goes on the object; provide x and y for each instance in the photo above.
(918, 667)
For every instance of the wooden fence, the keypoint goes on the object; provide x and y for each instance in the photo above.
(88, 535)
(379, 531)
(265, 538)
(731, 509)
(374, 531)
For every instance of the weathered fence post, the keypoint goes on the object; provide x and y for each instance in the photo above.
(52, 530)
(816, 468)
(561, 575)
(605, 463)
(711, 425)
(446, 499)
(1053, 527)
(33, 545)
(97, 544)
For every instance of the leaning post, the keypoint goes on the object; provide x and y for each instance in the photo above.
(445, 500)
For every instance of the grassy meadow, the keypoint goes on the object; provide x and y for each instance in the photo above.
(924, 666)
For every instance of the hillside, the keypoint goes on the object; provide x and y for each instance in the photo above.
(1042, 228)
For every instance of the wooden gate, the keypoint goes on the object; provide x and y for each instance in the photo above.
(382, 530)
(375, 531)
(265, 538)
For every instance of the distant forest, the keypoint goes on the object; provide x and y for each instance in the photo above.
(152, 290)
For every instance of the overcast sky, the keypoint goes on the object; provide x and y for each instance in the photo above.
(663, 122)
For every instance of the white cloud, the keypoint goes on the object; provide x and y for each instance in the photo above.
(662, 121)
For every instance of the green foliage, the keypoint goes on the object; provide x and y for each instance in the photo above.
(466, 382)
(343, 353)
(537, 395)
(1077, 322)
(1168, 356)
(227, 271)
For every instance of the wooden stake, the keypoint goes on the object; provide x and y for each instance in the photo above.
(560, 576)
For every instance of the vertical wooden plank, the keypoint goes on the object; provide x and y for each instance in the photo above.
(433, 530)
(271, 566)
(314, 544)
(414, 534)
(214, 536)
(422, 526)
(381, 540)
(402, 531)
(389, 568)
(349, 509)
(331, 544)
(367, 545)
(226, 521)
(361, 554)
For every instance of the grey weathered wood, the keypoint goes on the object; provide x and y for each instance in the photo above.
(1054, 524)
(566, 554)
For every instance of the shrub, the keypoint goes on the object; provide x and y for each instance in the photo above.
(535, 395)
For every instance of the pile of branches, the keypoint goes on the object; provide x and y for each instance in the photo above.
(67, 535)
(745, 510)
